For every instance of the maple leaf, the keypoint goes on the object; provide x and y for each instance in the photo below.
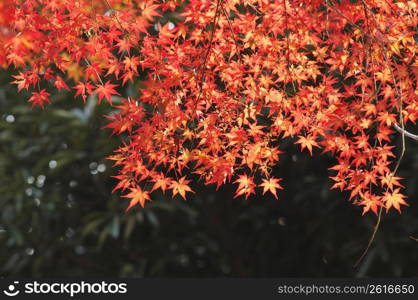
(124, 45)
(123, 183)
(39, 98)
(161, 182)
(180, 187)
(137, 195)
(93, 71)
(246, 186)
(307, 142)
(370, 202)
(149, 11)
(21, 81)
(390, 180)
(83, 89)
(387, 118)
(60, 83)
(383, 134)
(271, 185)
(394, 199)
(131, 63)
(119, 124)
(106, 91)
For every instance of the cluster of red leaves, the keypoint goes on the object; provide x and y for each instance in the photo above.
(226, 81)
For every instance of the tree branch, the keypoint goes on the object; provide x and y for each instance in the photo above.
(406, 133)
(371, 240)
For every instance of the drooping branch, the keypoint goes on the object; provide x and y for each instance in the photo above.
(406, 133)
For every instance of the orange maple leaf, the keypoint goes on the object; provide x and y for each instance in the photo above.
(394, 199)
(137, 195)
(307, 142)
(150, 11)
(370, 202)
(246, 186)
(161, 182)
(180, 187)
(271, 185)
(389, 180)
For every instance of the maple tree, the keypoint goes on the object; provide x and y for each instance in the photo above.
(212, 87)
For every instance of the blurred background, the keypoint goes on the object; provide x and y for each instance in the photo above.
(58, 216)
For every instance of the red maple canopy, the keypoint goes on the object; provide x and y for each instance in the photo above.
(218, 84)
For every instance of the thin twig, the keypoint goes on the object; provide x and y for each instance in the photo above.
(113, 12)
(95, 71)
(212, 34)
(231, 28)
(371, 240)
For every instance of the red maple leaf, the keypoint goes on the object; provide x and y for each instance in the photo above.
(39, 98)
(106, 91)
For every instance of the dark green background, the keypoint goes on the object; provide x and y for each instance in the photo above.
(70, 224)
